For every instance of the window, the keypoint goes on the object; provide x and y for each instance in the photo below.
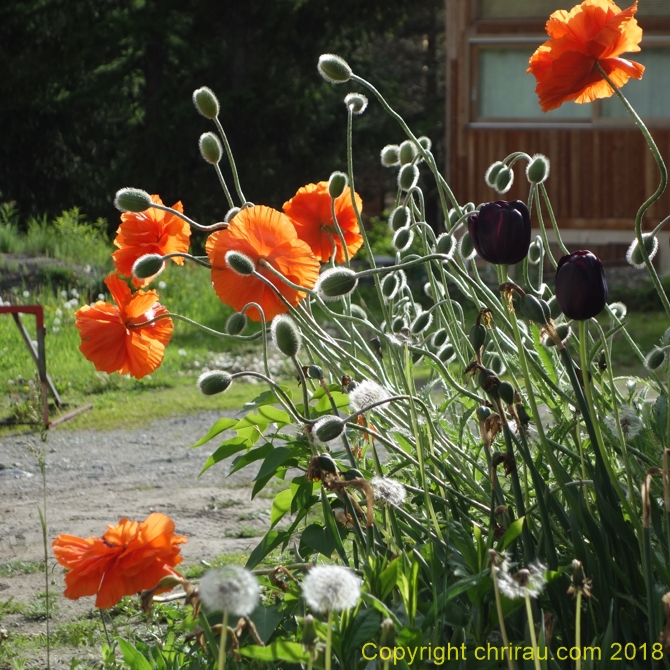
(540, 9)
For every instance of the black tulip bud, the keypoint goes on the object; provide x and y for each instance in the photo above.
(500, 232)
(581, 287)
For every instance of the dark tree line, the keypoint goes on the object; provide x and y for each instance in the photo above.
(96, 94)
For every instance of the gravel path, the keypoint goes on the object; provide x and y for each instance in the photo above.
(94, 478)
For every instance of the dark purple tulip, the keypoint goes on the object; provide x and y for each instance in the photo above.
(500, 232)
(581, 287)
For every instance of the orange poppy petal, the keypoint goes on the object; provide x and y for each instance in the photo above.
(102, 336)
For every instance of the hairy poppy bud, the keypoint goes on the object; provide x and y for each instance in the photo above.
(408, 177)
(236, 323)
(356, 102)
(398, 324)
(445, 244)
(440, 338)
(333, 69)
(403, 239)
(239, 263)
(390, 285)
(446, 354)
(359, 312)
(205, 102)
(286, 336)
(535, 251)
(408, 152)
(483, 412)
(504, 180)
(537, 170)
(581, 287)
(390, 155)
(132, 200)
(563, 330)
(655, 358)
(213, 382)
(210, 148)
(328, 428)
(634, 253)
(534, 309)
(492, 173)
(399, 218)
(425, 142)
(466, 247)
(506, 392)
(336, 283)
(336, 184)
(314, 372)
(421, 322)
(500, 232)
(477, 336)
(147, 266)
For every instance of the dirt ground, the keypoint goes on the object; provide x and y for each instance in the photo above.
(94, 478)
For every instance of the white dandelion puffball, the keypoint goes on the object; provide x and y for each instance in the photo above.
(389, 491)
(631, 424)
(331, 588)
(367, 393)
(229, 589)
(523, 583)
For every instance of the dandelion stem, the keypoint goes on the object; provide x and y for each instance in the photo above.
(578, 627)
(329, 640)
(224, 639)
(501, 617)
(531, 630)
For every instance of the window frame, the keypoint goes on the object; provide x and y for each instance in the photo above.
(477, 42)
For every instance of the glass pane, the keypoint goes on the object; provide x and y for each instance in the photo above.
(506, 91)
(651, 95)
(531, 9)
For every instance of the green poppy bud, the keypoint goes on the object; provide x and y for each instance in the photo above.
(399, 218)
(489, 382)
(335, 283)
(477, 336)
(408, 177)
(440, 338)
(286, 336)
(533, 309)
(336, 184)
(403, 239)
(634, 253)
(466, 247)
(446, 354)
(205, 102)
(328, 428)
(446, 244)
(483, 412)
(537, 170)
(210, 148)
(390, 285)
(334, 69)
(408, 152)
(351, 474)
(326, 462)
(240, 263)
(398, 324)
(390, 155)
(236, 323)
(492, 173)
(213, 382)
(421, 322)
(554, 308)
(359, 312)
(655, 358)
(496, 364)
(506, 392)
(425, 143)
(535, 251)
(148, 265)
(314, 372)
(563, 330)
(504, 180)
(356, 102)
(132, 200)
(453, 216)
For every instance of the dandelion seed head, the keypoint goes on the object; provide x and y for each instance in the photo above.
(389, 491)
(527, 582)
(229, 589)
(367, 393)
(331, 588)
(631, 424)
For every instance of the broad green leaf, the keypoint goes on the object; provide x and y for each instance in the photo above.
(280, 505)
(547, 362)
(272, 539)
(279, 650)
(228, 448)
(274, 415)
(511, 533)
(266, 620)
(363, 629)
(273, 460)
(265, 398)
(302, 493)
(251, 456)
(389, 578)
(132, 657)
(316, 537)
(252, 426)
(341, 400)
(218, 427)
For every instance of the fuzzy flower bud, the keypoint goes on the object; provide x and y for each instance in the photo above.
(399, 218)
(655, 358)
(388, 491)
(206, 102)
(467, 249)
(336, 184)
(328, 428)
(504, 180)
(331, 588)
(132, 200)
(535, 251)
(425, 143)
(492, 173)
(210, 148)
(408, 177)
(356, 102)
(336, 283)
(285, 335)
(537, 170)
(408, 152)
(403, 239)
(240, 263)
(148, 265)
(229, 589)
(421, 323)
(333, 69)
(634, 253)
(446, 354)
(236, 323)
(439, 338)
(213, 382)
(390, 155)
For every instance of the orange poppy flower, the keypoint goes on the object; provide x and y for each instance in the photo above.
(106, 339)
(263, 235)
(596, 31)
(130, 557)
(151, 232)
(309, 211)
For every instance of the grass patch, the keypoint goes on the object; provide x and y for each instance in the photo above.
(36, 609)
(199, 569)
(19, 567)
(10, 606)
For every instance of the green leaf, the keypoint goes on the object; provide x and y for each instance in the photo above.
(660, 417)
(266, 620)
(218, 427)
(341, 400)
(318, 538)
(302, 493)
(250, 457)
(273, 460)
(280, 505)
(389, 578)
(274, 415)
(228, 448)
(265, 398)
(547, 362)
(363, 628)
(511, 533)
(252, 426)
(279, 650)
(132, 657)
(272, 539)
